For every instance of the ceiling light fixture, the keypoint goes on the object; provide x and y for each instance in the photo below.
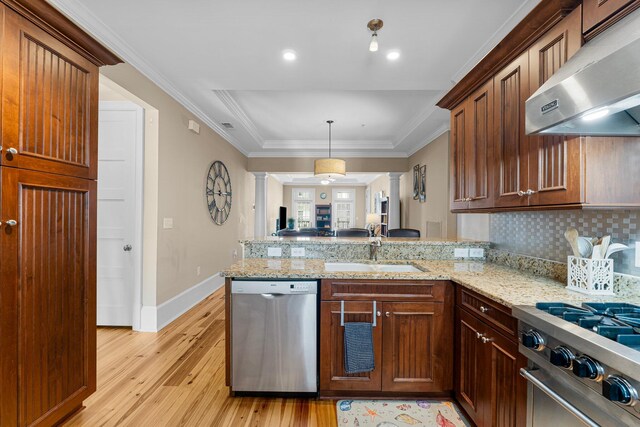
(325, 182)
(329, 167)
(374, 25)
(289, 55)
(393, 55)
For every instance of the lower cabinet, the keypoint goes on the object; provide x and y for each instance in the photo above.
(488, 385)
(412, 339)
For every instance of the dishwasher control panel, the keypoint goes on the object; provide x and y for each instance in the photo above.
(274, 287)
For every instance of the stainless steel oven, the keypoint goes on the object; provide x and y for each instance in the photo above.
(580, 371)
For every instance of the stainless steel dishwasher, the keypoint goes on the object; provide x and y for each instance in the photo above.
(273, 336)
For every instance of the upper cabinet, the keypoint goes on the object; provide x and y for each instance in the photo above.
(598, 15)
(49, 103)
(496, 166)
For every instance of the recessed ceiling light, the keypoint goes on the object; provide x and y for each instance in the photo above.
(289, 55)
(393, 55)
(325, 182)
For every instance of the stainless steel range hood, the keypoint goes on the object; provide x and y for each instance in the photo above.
(597, 91)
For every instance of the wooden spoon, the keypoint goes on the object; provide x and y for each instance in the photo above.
(572, 237)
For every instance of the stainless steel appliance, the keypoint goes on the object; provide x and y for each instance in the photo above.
(274, 336)
(584, 363)
(597, 91)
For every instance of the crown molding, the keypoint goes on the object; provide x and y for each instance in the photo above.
(229, 101)
(319, 144)
(323, 153)
(429, 139)
(84, 18)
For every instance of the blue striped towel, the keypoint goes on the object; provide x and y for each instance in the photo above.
(358, 347)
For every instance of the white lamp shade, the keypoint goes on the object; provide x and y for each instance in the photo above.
(373, 218)
(329, 167)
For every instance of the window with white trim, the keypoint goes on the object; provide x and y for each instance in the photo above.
(303, 204)
(344, 201)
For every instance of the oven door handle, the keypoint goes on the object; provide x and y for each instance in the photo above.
(558, 399)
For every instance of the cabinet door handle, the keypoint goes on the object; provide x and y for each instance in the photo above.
(11, 150)
(479, 335)
(387, 314)
(11, 222)
(484, 309)
(485, 340)
(521, 193)
(378, 314)
(529, 192)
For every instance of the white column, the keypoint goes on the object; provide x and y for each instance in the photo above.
(260, 223)
(394, 202)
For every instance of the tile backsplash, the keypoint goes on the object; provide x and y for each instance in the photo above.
(541, 233)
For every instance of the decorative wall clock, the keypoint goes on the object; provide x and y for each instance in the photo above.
(323, 195)
(218, 192)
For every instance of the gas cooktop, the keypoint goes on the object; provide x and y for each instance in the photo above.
(617, 321)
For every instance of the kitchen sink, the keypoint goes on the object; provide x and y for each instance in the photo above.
(372, 268)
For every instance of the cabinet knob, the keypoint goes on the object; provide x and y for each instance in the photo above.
(529, 192)
(387, 314)
(378, 314)
(484, 309)
(479, 335)
(521, 193)
(485, 340)
(127, 248)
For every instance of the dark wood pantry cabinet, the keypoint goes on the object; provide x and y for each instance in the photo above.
(413, 337)
(48, 169)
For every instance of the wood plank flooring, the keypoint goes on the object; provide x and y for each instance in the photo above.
(176, 378)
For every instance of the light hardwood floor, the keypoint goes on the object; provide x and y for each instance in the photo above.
(176, 378)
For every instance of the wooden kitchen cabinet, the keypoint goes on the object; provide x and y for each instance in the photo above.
(49, 102)
(413, 337)
(487, 363)
(511, 144)
(48, 316)
(598, 15)
(472, 151)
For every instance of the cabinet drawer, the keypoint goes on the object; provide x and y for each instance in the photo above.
(389, 290)
(492, 312)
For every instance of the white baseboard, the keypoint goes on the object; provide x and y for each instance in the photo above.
(154, 318)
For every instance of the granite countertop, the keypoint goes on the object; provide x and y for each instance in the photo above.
(502, 284)
(355, 240)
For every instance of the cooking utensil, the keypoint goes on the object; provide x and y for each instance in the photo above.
(585, 247)
(606, 241)
(597, 252)
(572, 237)
(615, 247)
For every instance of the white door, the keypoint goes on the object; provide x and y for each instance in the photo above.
(120, 133)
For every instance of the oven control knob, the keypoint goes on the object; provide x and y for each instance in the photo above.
(586, 367)
(562, 357)
(619, 390)
(533, 340)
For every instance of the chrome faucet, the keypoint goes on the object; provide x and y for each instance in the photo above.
(374, 246)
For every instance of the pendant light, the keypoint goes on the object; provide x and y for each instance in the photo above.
(329, 167)
(374, 25)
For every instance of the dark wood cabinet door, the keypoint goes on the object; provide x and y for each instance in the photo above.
(332, 374)
(556, 162)
(505, 389)
(49, 103)
(479, 151)
(417, 347)
(51, 267)
(469, 366)
(602, 13)
(511, 145)
(458, 166)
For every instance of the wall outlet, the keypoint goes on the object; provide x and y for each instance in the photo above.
(637, 254)
(476, 252)
(167, 223)
(461, 252)
(297, 252)
(198, 270)
(274, 252)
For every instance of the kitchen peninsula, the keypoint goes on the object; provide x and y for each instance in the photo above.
(443, 329)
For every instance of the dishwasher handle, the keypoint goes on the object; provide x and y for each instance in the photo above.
(272, 295)
(557, 398)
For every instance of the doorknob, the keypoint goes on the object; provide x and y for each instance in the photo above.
(127, 248)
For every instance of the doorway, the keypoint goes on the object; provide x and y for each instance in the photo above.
(119, 247)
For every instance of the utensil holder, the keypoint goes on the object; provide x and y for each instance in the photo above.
(590, 276)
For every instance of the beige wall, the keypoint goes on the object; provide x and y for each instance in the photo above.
(183, 162)
(379, 184)
(274, 201)
(360, 215)
(305, 164)
(436, 208)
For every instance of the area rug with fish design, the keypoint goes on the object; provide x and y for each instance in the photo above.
(399, 413)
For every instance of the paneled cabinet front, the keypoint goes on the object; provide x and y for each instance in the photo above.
(412, 338)
(48, 298)
(49, 103)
